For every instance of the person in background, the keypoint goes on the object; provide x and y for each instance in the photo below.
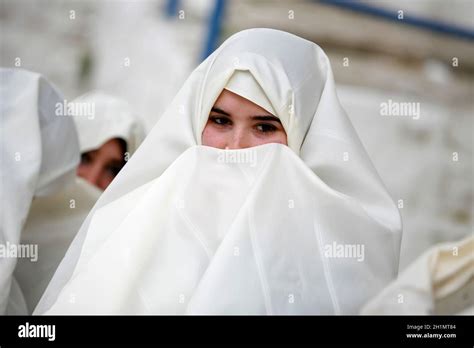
(43, 203)
(109, 133)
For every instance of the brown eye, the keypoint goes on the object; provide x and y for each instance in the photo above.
(221, 121)
(266, 128)
(85, 158)
(113, 170)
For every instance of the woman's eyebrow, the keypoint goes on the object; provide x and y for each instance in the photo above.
(266, 118)
(219, 111)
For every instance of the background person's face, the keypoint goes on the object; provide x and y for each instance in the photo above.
(237, 123)
(99, 167)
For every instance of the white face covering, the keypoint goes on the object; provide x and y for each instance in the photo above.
(184, 228)
(39, 155)
(106, 118)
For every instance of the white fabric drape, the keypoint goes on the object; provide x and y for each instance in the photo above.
(39, 155)
(441, 281)
(183, 229)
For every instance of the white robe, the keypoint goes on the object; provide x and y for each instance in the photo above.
(39, 153)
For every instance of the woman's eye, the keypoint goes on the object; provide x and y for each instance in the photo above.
(222, 121)
(113, 170)
(266, 128)
(85, 158)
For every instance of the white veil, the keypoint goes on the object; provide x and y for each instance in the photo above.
(39, 154)
(150, 245)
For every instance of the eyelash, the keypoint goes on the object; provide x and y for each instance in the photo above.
(85, 158)
(113, 170)
(215, 120)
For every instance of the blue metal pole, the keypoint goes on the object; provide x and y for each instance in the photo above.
(171, 8)
(215, 23)
(423, 23)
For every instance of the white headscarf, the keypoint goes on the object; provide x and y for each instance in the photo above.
(39, 155)
(186, 228)
(109, 118)
(245, 85)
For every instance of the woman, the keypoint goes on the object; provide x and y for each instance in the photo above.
(290, 218)
(107, 137)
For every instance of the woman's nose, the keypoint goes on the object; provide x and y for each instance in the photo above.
(239, 139)
(92, 174)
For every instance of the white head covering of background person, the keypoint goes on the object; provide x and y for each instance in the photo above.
(39, 155)
(110, 118)
(180, 231)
